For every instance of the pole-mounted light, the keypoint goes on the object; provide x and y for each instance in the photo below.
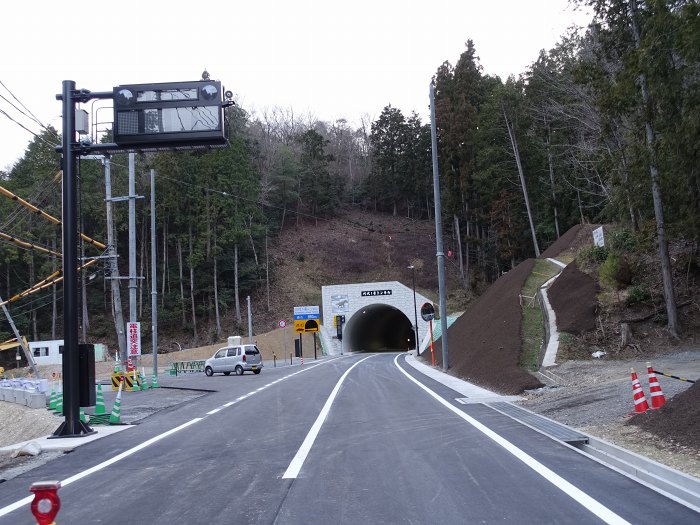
(415, 309)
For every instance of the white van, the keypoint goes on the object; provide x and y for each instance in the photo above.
(238, 359)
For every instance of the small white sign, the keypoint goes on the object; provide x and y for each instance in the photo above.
(598, 238)
(133, 334)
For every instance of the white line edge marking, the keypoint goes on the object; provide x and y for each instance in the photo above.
(26, 501)
(104, 464)
(298, 461)
(570, 490)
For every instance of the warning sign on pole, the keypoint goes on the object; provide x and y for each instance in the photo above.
(133, 331)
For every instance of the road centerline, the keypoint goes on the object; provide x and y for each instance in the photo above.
(297, 462)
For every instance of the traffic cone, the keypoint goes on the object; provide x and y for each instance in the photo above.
(144, 383)
(83, 417)
(640, 402)
(154, 382)
(59, 403)
(657, 396)
(115, 416)
(135, 387)
(100, 401)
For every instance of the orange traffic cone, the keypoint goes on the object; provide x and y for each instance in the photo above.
(655, 392)
(640, 402)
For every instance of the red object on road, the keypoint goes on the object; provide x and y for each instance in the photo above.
(46, 503)
(657, 395)
(640, 402)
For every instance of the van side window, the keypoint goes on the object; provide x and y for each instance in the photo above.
(221, 353)
(231, 352)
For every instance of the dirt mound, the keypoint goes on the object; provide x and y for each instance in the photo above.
(484, 343)
(568, 244)
(677, 420)
(573, 297)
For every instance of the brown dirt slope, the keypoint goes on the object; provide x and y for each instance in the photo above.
(484, 342)
(573, 297)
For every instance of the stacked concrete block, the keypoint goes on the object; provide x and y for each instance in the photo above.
(27, 392)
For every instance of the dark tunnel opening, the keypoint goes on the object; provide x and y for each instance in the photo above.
(379, 328)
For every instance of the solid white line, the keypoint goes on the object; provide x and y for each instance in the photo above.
(575, 493)
(298, 461)
(104, 464)
(25, 501)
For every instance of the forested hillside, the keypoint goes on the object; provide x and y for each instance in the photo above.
(603, 128)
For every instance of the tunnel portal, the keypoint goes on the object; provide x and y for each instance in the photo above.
(379, 317)
(379, 328)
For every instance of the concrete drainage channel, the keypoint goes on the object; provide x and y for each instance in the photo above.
(682, 487)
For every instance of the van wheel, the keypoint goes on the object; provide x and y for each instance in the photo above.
(256, 371)
(239, 370)
(227, 373)
(209, 371)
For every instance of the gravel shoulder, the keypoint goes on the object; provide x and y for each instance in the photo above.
(595, 396)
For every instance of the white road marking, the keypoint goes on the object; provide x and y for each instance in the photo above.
(26, 501)
(570, 490)
(104, 464)
(297, 462)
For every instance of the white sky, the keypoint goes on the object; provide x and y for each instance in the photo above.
(313, 56)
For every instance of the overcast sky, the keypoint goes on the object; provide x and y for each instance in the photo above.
(318, 57)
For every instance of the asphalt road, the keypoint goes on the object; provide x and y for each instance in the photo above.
(360, 439)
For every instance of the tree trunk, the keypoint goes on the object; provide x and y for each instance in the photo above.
(216, 292)
(194, 309)
(235, 284)
(85, 320)
(182, 285)
(516, 153)
(666, 271)
(54, 294)
(551, 182)
(141, 274)
(165, 262)
(267, 273)
(31, 283)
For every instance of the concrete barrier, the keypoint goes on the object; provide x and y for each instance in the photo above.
(27, 392)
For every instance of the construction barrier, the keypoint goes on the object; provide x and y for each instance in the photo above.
(127, 379)
(186, 367)
(673, 377)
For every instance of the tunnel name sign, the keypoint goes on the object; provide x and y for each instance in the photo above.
(372, 293)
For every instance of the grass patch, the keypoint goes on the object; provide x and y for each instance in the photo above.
(532, 329)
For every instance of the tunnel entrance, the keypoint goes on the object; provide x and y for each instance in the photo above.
(379, 328)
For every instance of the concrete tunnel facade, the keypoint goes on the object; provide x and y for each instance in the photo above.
(379, 317)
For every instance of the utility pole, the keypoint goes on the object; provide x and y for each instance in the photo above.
(154, 287)
(250, 321)
(438, 231)
(114, 267)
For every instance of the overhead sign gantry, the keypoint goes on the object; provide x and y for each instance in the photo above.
(182, 115)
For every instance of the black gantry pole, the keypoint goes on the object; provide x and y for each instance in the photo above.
(72, 426)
